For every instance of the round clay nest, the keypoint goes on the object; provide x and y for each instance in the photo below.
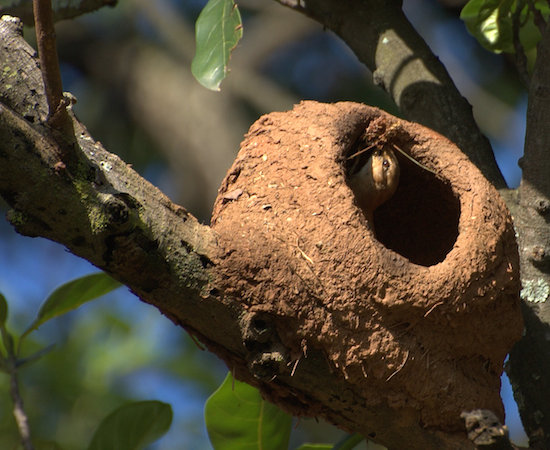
(420, 306)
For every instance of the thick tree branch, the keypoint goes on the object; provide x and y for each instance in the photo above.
(63, 10)
(403, 65)
(530, 359)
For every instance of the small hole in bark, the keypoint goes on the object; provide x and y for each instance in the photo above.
(420, 222)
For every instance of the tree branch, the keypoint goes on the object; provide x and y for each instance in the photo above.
(47, 50)
(19, 412)
(530, 358)
(403, 65)
(62, 11)
(58, 118)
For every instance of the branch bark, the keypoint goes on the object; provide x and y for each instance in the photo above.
(64, 10)
(530, 359)
(404, 66)
(58, 118)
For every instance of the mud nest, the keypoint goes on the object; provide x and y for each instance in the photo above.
(417, 307)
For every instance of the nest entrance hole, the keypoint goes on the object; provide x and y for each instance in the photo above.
(420, 221)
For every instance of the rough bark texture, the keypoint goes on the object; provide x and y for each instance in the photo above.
(404, 319)
(530, 360)
(62, 10)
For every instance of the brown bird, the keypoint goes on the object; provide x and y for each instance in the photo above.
(375, 181)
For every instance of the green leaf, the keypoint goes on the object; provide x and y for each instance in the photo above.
(7, 341)
(217, 31)
(237, 418)
(132, 426)
(71, 295)
(490, 22)
(3, 310)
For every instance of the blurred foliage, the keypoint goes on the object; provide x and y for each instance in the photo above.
(132, 426)
(97, 367)
(493, 24)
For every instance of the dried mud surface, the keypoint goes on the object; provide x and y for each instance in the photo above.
(415, 311)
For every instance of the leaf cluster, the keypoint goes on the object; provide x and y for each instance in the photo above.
(131, 426)
(506, 25)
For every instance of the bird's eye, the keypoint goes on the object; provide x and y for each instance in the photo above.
(386, 163)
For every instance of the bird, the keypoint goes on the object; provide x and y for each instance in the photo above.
(373, 179)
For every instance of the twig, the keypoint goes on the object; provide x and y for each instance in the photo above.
(432, 308)
(360, 152)
(521, 59)
(399, 368)
(58, 118)
(304, 255)
(47, 51)
(19, 412)
(294, 367)
(538, 18)
(410, 158)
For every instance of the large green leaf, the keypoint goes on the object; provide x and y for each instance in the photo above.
(133, 426)
(71, 295)
(237, 418)
(218, 30)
